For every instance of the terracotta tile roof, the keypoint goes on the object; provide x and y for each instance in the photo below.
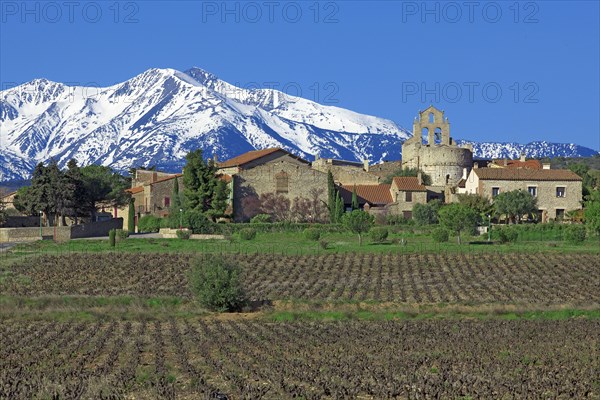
(137, 189)
(372, 194)
(166, 178)
(507, 174)
(528, 164)
(251, 156)
(408, 184)
(224, 177)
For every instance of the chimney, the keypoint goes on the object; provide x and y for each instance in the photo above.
(505, 162)
(317, 157)
(545, 165)
(154, 177)
(475, 165)
(215, 158)
(523, 158)
(420, 178)
(464, 174)
(366, 165)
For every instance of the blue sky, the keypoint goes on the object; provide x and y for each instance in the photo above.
(502, 71)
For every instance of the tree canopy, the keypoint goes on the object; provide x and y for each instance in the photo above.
(457, 218)
(407, 172)
(515, 204)
(358, 222)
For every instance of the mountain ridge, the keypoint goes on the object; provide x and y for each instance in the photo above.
(158, 116)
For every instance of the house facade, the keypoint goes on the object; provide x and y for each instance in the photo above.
(557, 191)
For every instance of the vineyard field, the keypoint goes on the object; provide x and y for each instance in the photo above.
(241, 359)
(543, 279)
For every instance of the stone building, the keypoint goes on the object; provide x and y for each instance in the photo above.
(255, 158)
(406, 191)
(432, 150)
(557, 191)
(280, 176)
(346, 172)
(521, 163)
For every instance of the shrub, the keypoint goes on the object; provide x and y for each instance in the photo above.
(247, 233)
(112, 234)
(506, 235)
(261, 219)
(149, 223)
(198, 222)
(324, 244)
(575, 234)
(216, 283)
(312, 234)
(122, 234)
(183, 234)
(440, 235)
(379, 234)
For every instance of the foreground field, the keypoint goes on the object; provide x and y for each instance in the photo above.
(543, 279)
(344, 360)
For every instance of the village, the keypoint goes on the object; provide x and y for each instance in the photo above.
(441, 171)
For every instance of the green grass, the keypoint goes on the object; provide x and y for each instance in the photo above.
(294, 243)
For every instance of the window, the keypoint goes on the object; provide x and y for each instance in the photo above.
(437, 136)
(495, 191)
(532, 190)
(407, 214)
(561, 191)
(431, 118)
(408, 196)
(560, 213)
(425, 135)
(281, 182)
(167, 202)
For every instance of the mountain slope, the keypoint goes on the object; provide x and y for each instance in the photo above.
(158, 116)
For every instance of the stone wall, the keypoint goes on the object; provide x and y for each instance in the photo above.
(346, 174)
(546, 193)
(62, 233)
(95, 229)
(400, 205)
(250, 184)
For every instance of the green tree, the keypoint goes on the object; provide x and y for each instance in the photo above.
(591, 211)
(77, 200)
(339, 208)
(355, 205)
(200, 182)
(216, 282)
(220, 199)
(358, 222)
(481, 204)
(131, 216)
(515, 204)
(426, 214)
(457, 218)
(3, 215)
(102, 185)
(407, 172)
(331, 198)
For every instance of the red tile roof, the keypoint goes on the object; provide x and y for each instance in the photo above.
(528, 164)
(511, 174)
(137, 189)
(372, 194)
(408, 184)
(251, 156)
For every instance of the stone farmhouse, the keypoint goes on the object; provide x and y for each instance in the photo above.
(557, 191)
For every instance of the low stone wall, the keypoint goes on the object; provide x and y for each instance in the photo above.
(168, 233)
(60, 233)
(95, 229)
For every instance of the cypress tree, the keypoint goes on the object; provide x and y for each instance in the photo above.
(331, 197)
(131, 216)
(355, 205)
(339, 208)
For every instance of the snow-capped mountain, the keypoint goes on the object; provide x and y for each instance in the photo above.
(158, 116)
(538, 149)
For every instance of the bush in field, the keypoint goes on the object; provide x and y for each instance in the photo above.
(183, 234)
(122, 234)
(198, 222)
(149, 223)
(358, 222)
(458, 218)
(426, 214)
(261, 219)
(216, 283)
(312, 234)
(112, 235)
(507, 235)
(440, 235)
(575, 234)
(247, 233)
(324, 244)
(379, 234)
